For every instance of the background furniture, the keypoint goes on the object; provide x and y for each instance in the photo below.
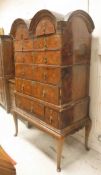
(6, 68)
(6, 163)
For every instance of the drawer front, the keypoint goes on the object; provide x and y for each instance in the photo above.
(53, 42)
(19, 70)
(18, 85)
(21, 32)
(24, 86)
(48, 42)
(45, 26)
(23, 45)
(24, 71)
(24, 57)
(19, 58)
(27, 87)
(46, 93)
(47, 57)
(28, 45)
(52, 117)
(38, 109)
(47, 75)
(30, 106)
(18, 45)
(23, 103)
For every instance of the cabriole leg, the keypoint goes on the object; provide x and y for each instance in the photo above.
(60, 143)
(87, 132)
(16, 124)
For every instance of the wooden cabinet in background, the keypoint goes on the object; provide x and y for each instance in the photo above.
(6, 68)
(52, 62)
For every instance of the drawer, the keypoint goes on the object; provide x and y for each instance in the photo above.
(19, 70)
(49, 75)
(48, 42)
(30, 106)
(53, 42)
(24, 71)
(45, 26)
(37, 108)
(21, 32)
(52, 117)
(46, 93)
(47, 57)
(24, 86)
(24, 57)
(57, 119)
(38, 43)
(18, 45)
(18, 85)
(23, 103)
(27, 87)
(28, 45)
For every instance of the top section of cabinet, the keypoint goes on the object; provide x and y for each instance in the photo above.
(71, 35)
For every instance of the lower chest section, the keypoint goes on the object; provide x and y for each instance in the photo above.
(56, 118)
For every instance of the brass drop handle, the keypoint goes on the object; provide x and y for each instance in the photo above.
(23, 73)
(45, 76)
(45, 60)
(22, 88)
(51, 120)
(31, 108)
(43, 93)
(45, 44)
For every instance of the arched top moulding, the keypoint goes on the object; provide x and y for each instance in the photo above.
(20, 29)
(46, 22)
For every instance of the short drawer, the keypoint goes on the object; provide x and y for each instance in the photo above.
(24, 71)
(47, 57)
(45, 92)
(30, 106)
(49, 75)
(46, 42)
(52, 117)
(24, 57)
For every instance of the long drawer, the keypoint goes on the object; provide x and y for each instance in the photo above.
(44, 74)
(39, 57)
(44, 42)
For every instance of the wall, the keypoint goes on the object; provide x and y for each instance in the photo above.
(95, 79)
(12, 9)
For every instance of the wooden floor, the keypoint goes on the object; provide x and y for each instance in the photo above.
(35, 153)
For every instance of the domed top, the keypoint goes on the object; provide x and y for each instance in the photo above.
(19, 23)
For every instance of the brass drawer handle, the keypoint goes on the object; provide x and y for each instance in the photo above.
(31, 108)
(43, 93)
(22, 73)
(45, 60)
(50, 120)
(45, 76)
(22, 89)
(45, 44)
